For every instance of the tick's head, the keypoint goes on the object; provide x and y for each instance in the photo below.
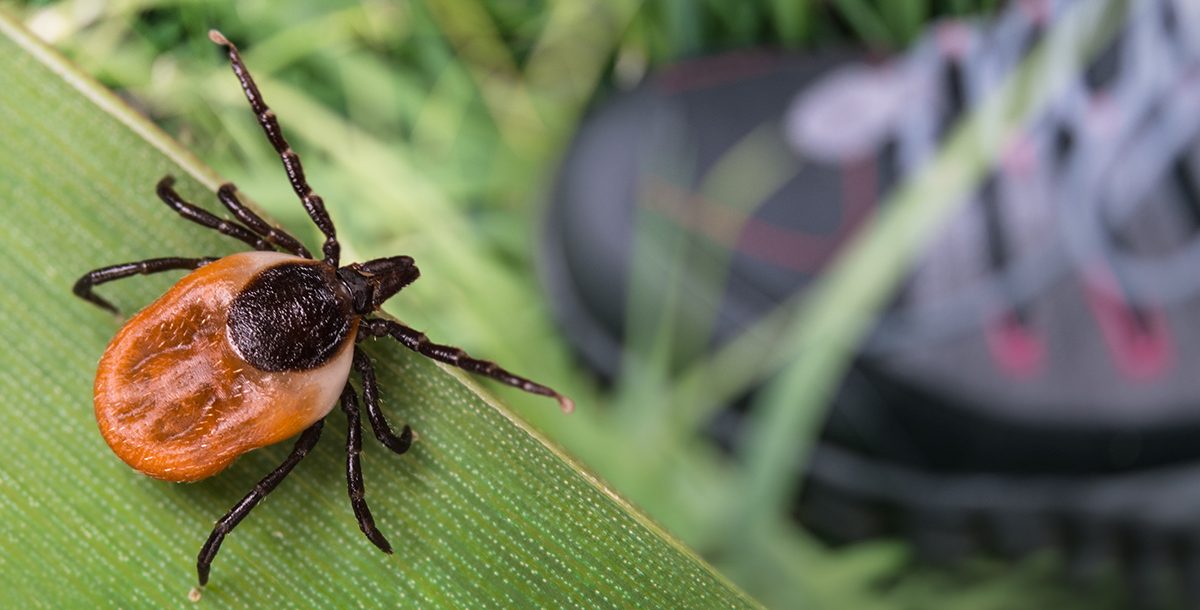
(373, 282)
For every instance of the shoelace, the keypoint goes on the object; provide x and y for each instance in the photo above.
(1116, 142)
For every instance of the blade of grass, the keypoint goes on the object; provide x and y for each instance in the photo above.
(867, 23)
(761, 349)
(566, 62)
(906, 19)
(493, 69)
(838, 312)
(791, 19)
(483, 511)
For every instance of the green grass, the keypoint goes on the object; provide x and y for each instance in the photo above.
(432, 127)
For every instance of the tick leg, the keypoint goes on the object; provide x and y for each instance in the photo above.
(418, 342)
(203, 218)
(275, 236)
(354, 478)
(308, 439)
(83, 286)
(313, 204)
(370, 389)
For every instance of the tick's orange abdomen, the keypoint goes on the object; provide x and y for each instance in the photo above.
(175, 400)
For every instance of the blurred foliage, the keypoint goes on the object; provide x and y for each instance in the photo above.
(438, 123)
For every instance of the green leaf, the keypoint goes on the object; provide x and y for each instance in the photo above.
(483, 512)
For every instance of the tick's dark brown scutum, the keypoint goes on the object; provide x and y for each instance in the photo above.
(292, 317)
(253, 348)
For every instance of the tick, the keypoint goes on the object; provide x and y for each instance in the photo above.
(253, 348)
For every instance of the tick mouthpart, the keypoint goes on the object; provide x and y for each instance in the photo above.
(375, 281)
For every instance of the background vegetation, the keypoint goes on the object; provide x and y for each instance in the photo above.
(432, 128)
